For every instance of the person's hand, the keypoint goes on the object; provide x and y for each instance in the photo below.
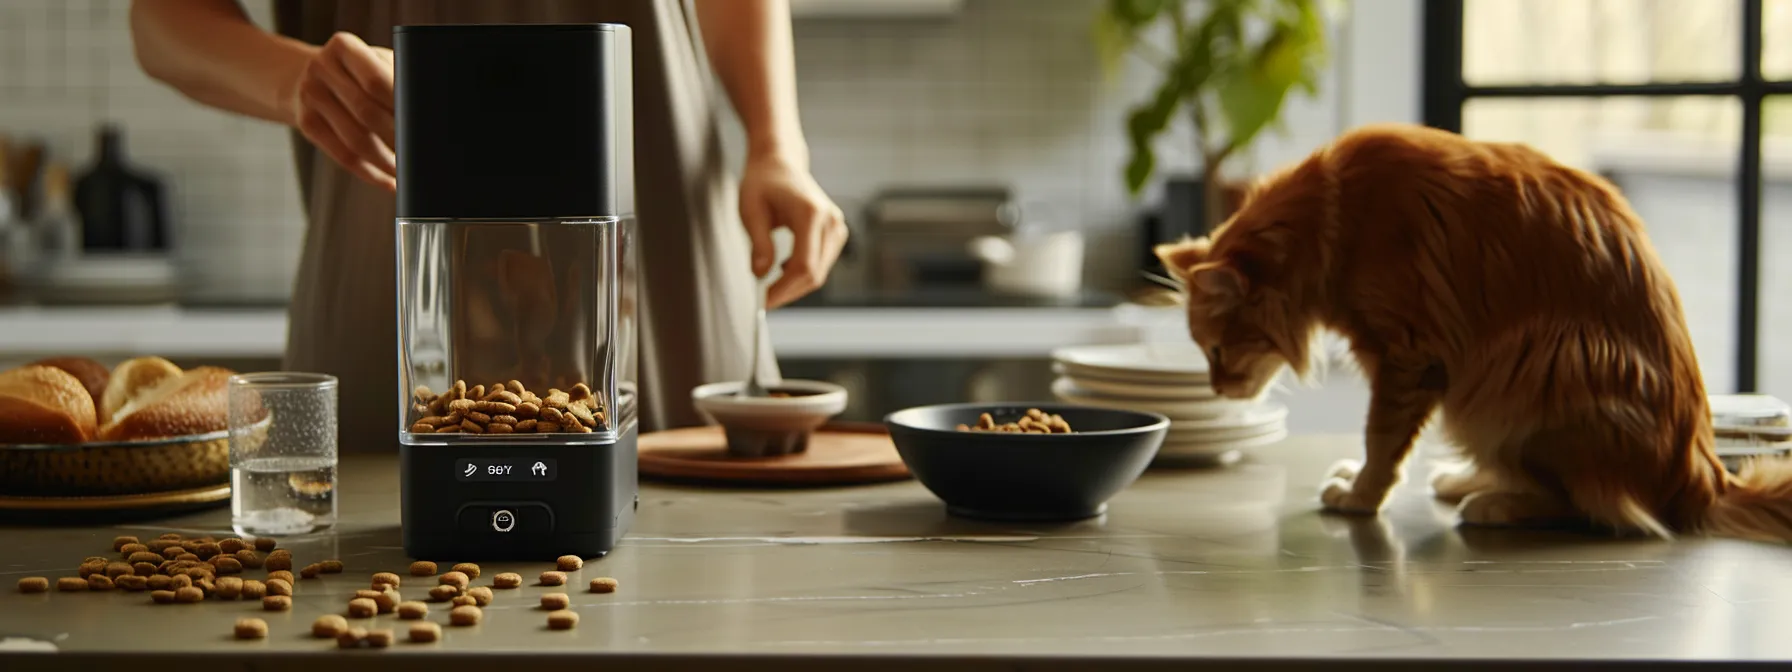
(342, 102)
(777, 193)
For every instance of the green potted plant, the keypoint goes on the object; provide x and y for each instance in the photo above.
(1229, 66)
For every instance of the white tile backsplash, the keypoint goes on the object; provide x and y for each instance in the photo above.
(1006, 91)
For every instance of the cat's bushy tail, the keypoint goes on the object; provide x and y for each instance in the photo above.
(1757, 505)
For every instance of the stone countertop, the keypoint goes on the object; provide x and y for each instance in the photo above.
(1233, 566)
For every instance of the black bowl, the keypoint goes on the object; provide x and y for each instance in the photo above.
(1002, 476)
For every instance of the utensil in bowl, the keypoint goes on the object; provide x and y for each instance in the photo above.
(771, 425)
(1037, 477)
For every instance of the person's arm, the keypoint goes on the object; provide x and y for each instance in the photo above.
(752, 53)
(211, 52)
(339, 95)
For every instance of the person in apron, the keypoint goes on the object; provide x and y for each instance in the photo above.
(326, 72)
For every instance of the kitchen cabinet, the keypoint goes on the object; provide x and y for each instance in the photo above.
(873, 9)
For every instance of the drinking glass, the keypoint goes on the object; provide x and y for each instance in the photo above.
(282, 453)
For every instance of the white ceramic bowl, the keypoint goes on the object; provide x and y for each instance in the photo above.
(770, 426)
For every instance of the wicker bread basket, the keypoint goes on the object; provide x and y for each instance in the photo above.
(120, 468)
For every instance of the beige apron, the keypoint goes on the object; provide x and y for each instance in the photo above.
(696, 288)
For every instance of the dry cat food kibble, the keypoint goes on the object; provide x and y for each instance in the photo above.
(279, 587)
(1034, 421)
(133, 583)
(145, 569)
(328, 626)
(145, 556)
(171, 552)
(232, 545)
(412, 611)
(444, 593)
(465, 601)
(119, 543)
(186, 557)
(276, 603)
(507, 580)
(204, 572)
(162, 596)
(387, 600)
(481, 595)
(34, 584)
(206, 586)
(379, 639)
(387, 578)
(161, 582)
(423, 568)
(553, 578)
(330, 566)
(69, 584)
(311, 571)
(254, 590)
(251, 628)
(277, 563)
(182, 581)
(456, 579)
(282, 575)
(225, 564)
(91, 568)
(362, 607)
(504, 409)
(248, 559)
(424, 633)
(118, 569)
(129, 549)
(563, 620)
(100, 582)
(171, 536)
(603, 584)
(465, 615)
(368, 594)
(159, 545)
(208, 551)
(189, 595)
(467, 568)
(230, 588)
(570, 563)
(265, 544)
(555, 601)
(351, 638)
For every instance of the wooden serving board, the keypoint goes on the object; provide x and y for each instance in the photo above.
(843, 453)
(19, 509)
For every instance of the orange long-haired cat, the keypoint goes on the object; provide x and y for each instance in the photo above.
(1518, 295)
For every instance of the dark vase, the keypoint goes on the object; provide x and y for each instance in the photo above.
(1180, 216)
(122, 207)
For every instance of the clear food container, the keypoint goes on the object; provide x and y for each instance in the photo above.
(488, 304)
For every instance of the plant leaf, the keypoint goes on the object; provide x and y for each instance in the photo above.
(1139, 169)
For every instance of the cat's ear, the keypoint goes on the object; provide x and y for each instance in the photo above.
(1219, 281)
(1182, 256)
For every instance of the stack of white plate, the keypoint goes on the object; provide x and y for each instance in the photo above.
(1170, 379)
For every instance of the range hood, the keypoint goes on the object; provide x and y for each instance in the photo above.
(874, 9)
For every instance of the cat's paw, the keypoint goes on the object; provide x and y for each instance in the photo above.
(1344, 470)
(1495, 509)
(1338, 497)
(1452, 484)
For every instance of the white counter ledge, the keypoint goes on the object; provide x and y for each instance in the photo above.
(797, 332)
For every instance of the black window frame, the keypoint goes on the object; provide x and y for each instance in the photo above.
(1446, 90)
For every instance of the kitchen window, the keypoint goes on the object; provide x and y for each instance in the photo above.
(1686, 105)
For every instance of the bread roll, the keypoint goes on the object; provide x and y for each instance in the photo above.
(44, 404)
(196, 402)
(93, 376)
(131, 379)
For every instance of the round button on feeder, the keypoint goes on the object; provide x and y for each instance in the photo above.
(503, 520)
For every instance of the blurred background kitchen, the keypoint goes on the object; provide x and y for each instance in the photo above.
(981, 151)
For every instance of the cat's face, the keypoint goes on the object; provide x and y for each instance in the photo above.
(1242, 358)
